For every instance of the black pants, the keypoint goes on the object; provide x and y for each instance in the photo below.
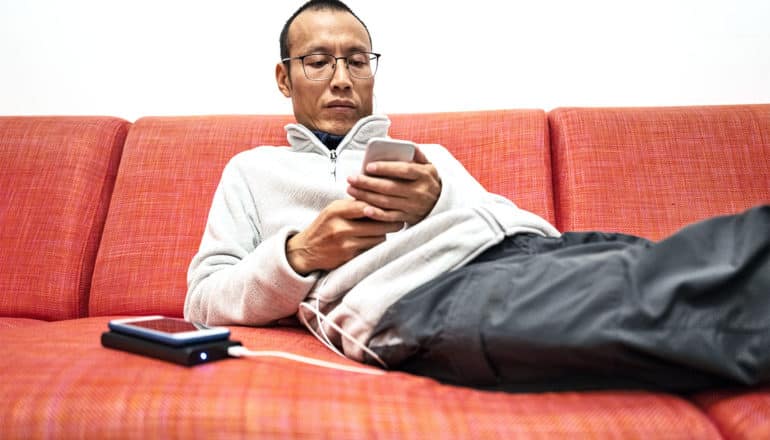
(594, 310)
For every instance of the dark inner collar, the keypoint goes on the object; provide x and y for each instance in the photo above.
(330, 140)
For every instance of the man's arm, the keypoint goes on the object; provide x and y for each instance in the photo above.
(339, 233)
(240, 277)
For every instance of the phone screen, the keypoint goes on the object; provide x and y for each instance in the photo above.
(168, 325)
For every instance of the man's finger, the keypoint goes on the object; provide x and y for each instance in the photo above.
(388, 216)
(348, 209)
(392, 170)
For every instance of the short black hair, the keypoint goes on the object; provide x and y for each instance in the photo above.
(315, 5)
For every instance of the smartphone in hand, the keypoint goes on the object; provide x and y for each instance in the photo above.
(169, 331)
(387, 149)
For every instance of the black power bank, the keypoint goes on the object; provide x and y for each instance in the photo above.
(187, 355)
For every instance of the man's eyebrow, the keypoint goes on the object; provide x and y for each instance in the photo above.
(318, 49)
(354, 49)
(325, 49)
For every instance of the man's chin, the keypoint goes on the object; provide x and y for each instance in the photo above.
(338, 127)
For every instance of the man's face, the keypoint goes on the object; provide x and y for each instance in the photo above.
(336, 104)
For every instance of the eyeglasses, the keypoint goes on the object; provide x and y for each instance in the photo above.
(321, 66)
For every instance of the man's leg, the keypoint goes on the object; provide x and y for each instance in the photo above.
(593, 310)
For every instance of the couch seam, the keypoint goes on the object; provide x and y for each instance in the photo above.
(95, 232)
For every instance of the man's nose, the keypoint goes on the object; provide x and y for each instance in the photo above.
(341, 77)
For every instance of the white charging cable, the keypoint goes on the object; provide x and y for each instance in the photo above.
(325, 339)
(241, 351)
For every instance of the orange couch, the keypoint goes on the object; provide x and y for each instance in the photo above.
(99, 218)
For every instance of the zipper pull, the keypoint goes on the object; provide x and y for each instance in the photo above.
(333, 157)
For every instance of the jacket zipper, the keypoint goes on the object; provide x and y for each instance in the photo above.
(333, 157)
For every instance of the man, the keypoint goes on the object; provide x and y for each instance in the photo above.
(331, 107)
(301, 231)
(309, 206)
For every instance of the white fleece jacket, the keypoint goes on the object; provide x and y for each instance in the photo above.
(240, 274)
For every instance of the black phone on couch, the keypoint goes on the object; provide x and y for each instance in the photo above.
(170, 331)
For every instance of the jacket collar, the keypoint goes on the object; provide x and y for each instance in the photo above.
(302, 139)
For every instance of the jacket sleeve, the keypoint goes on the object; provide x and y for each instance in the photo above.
(237, 276)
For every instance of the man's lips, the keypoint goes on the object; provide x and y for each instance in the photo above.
(340, 105)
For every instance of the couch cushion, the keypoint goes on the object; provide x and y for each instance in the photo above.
(650, 171)
(56, 179)
(71, 387)
(171, 166)
(739, 415)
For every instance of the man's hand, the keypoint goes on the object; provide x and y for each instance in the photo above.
(398, 191)
(340, 232)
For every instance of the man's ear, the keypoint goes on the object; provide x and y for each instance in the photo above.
(283, 80)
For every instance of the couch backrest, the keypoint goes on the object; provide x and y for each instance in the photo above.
(650, 171)
(168, 174)
(56, 180)
(171, 167)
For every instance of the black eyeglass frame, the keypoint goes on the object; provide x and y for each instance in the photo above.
(301, 58)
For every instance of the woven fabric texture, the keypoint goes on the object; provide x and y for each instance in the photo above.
(739, 415)
(56, 179)
(650, 171)
(10, 322)
(171, 166)
(122, 395)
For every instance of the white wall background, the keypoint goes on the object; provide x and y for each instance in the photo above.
(182, 57)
